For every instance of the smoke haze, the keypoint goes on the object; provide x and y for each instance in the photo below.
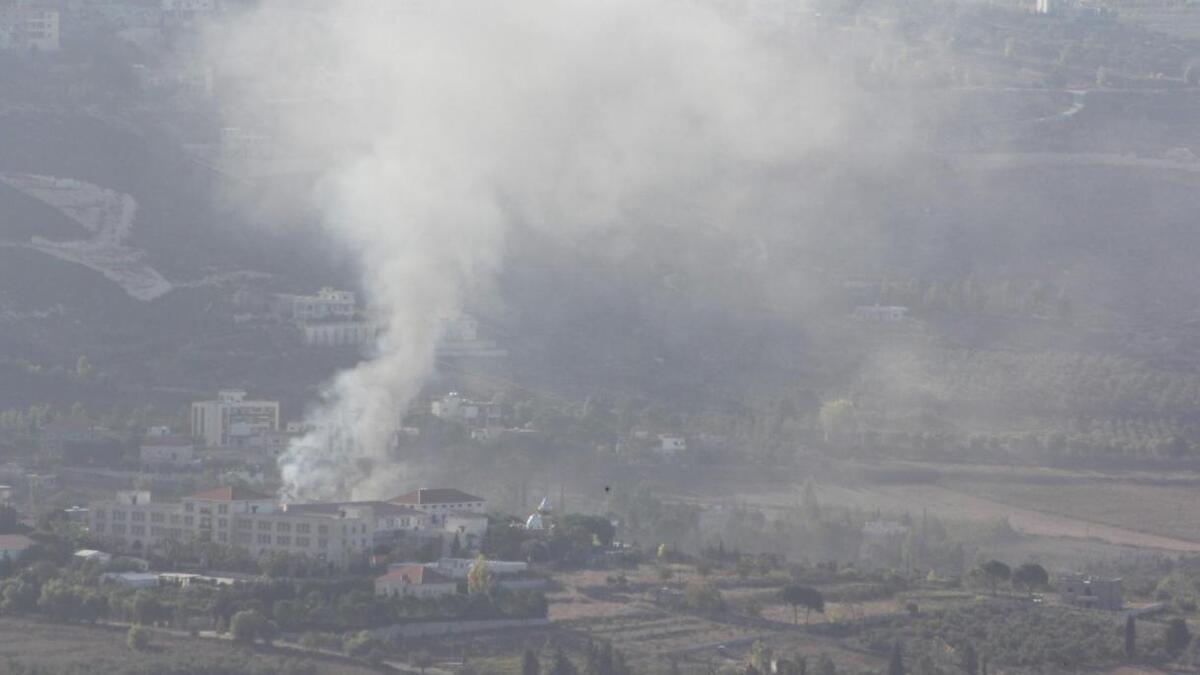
(440, 127)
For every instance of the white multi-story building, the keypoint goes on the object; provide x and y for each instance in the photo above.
(336, 533)
(439, 503)
(339, 333)
(167, 450)
(26, 27)
(328, 303)
(196, 6)
(475, 414)
(233, 516)
(329, 319)
(233, 421)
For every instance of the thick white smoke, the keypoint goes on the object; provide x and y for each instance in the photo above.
(439, 125)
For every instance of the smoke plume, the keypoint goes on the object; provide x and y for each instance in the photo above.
(439, 127)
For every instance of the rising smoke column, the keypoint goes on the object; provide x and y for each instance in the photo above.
(440, 125)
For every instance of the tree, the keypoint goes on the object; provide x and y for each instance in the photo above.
(835, 417)
(146, 608)
(480, 578)
(995, 572)
(246, 625)
(809, 502)
(1130, 637)
(60, 600)
(802, 596)
(561, 665)
(703, 598)
(359, 645)
(83, 367)
(969, 660)
(896, 662)
(138, 638)
(10, 521)
(530, 664)
(1178, 636)
(1030, 576)
(18, 596)
(421, 660)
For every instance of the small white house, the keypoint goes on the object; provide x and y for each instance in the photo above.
(670, 444)
(131, 579)
(880, 313)
(88, 554)
(416, 580)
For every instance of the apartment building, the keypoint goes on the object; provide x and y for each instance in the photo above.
(335, 532)
(233, 516)
(440, 503)
(26, 27)
(233, 421)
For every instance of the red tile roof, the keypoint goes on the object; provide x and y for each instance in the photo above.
(10, 542)
(231, 494)
(415, 574)
(435, 496)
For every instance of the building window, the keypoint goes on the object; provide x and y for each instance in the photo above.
(98, 527)
(303, 528)
(264, 525)
(137, 529)
(221, 536)
(175, 518)
(138, 516)
(283, 527)
(303, 542)
(156, 531)
(322, 543)
(118, 515)
(158, 517)
(245, 524)
(223, 509)
(189, 507)
(222, 523)
(99, 514)
(189, 520)
(322, 529)
(283, 540)
(264, 538)
(118, 528)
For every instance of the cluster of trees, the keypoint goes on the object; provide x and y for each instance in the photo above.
(75, 594)
(1025, 298)
(763, 660)
(567, 541)
(1072, 405)
(597, 659)
(1011, 635)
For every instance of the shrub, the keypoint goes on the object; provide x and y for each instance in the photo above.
(247, 625)
(138, 638)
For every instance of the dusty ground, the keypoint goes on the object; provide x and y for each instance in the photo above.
(56, 647)
(955, 503)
